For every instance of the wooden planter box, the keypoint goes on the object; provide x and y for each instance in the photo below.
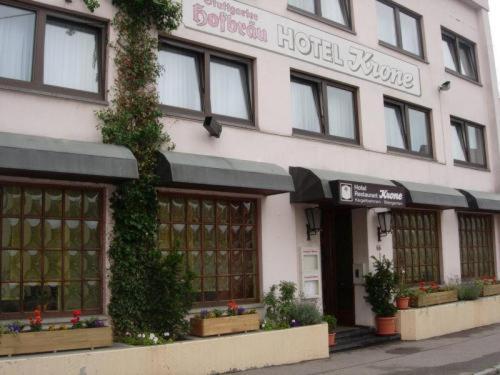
(491, 290)
(52, 341)
(438, 298)
(224, 325)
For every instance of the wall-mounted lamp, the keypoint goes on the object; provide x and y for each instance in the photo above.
(212, 126)
(384, 224)
(313, 217)
(445, 86)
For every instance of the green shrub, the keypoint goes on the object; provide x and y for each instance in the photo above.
(469, 291)
(331, 321)
(380, 286)
(279, 301)
(304, 314)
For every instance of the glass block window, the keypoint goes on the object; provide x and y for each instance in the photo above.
(219, 239)
(50, 245)
(477, 257)
(416, 245)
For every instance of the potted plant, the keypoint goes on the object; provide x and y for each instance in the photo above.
(332, 324)
(403, 294)
(433, 294)
(491, 286)
(380, 286)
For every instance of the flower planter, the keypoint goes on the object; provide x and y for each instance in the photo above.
(491, 290)
(224, 325)
(52, 341)
(438, 298)
(403, 303)
(386, 326)
(331, 339)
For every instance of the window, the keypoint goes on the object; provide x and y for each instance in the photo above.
(200, 82)
(323, 107)
(477, 257)
(416, 245)
(459, 55)
(68, 48)
(400, 28)
(468, 143)
(337, 12)
(219, 239)
(50, 250)
(407, 128)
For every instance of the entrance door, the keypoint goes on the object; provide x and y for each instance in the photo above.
(337, 262)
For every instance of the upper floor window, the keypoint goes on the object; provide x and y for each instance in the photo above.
(200, 82)
(400, 28)
(68, 48)
(324, 107)
(468, 143)
(407, 128)
(459, 55)
(337, 12)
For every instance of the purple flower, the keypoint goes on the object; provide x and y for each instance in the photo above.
(241, 310)
(203, 313)
(295, 323)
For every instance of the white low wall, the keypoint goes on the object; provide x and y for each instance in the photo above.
(204, 356)
(427, 322)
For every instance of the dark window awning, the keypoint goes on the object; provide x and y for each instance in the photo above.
(34, 156)
(316, 186)
(433, 195)
(193, 171)
(481, 200)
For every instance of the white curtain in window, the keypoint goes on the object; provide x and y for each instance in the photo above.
(333, 10)
(466, 60)
(386, 24)
(418, 131)
(179, 83)
(458, 149)
(307, 5)
(341, 113)
(17, 30)
(304, 108)
(229, 91)
(476, 146)
(71, 57)
(410, 34)
(449, 55)
(394, 127)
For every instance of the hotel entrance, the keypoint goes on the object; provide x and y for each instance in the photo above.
(337, 265)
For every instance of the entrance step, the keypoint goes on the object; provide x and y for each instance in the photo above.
(359, 337)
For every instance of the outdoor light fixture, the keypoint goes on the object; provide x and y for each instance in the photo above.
(384, 224)
(313, 216)
(212, 126)
(445, 86)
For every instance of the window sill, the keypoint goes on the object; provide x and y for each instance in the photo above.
(57, 95)
(411, 155)
(476, 167)
(326, 21)
(466, 78)
(402, 51)
(325, 138)
(247, 306)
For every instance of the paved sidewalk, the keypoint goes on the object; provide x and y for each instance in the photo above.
(462, 353)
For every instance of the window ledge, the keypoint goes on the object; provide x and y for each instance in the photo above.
(466, 78)
(325, 138)
(471, 166)
(402, 51)
(102, 102)
(321, 19)
(407, 154)
(196, 117)
(248, 306)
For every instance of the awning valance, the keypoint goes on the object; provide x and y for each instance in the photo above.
(433, 195)
(316, 186)
(35, 156)
(195, 171)
(481, 200)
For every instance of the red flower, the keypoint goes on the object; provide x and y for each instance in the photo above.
(75, 320)
(232, 305)
(77, 313)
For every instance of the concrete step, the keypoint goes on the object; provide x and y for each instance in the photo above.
(360, 337)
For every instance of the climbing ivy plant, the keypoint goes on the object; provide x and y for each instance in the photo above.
(149, 293)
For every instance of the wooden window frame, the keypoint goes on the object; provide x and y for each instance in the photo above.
(464, 124)
(346, 5)
(457, 40)
(404, 107)
(437, 247)
(101, 258)
(398, 9)
(227, 199)
(320, 86)
(36, 84)
(465, 249)
(203, 57)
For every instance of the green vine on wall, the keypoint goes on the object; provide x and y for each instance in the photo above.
(149, 293)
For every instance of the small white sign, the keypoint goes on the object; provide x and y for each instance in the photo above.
(257, 27)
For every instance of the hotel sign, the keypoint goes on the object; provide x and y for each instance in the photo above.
(367, 195)
(247, 24)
